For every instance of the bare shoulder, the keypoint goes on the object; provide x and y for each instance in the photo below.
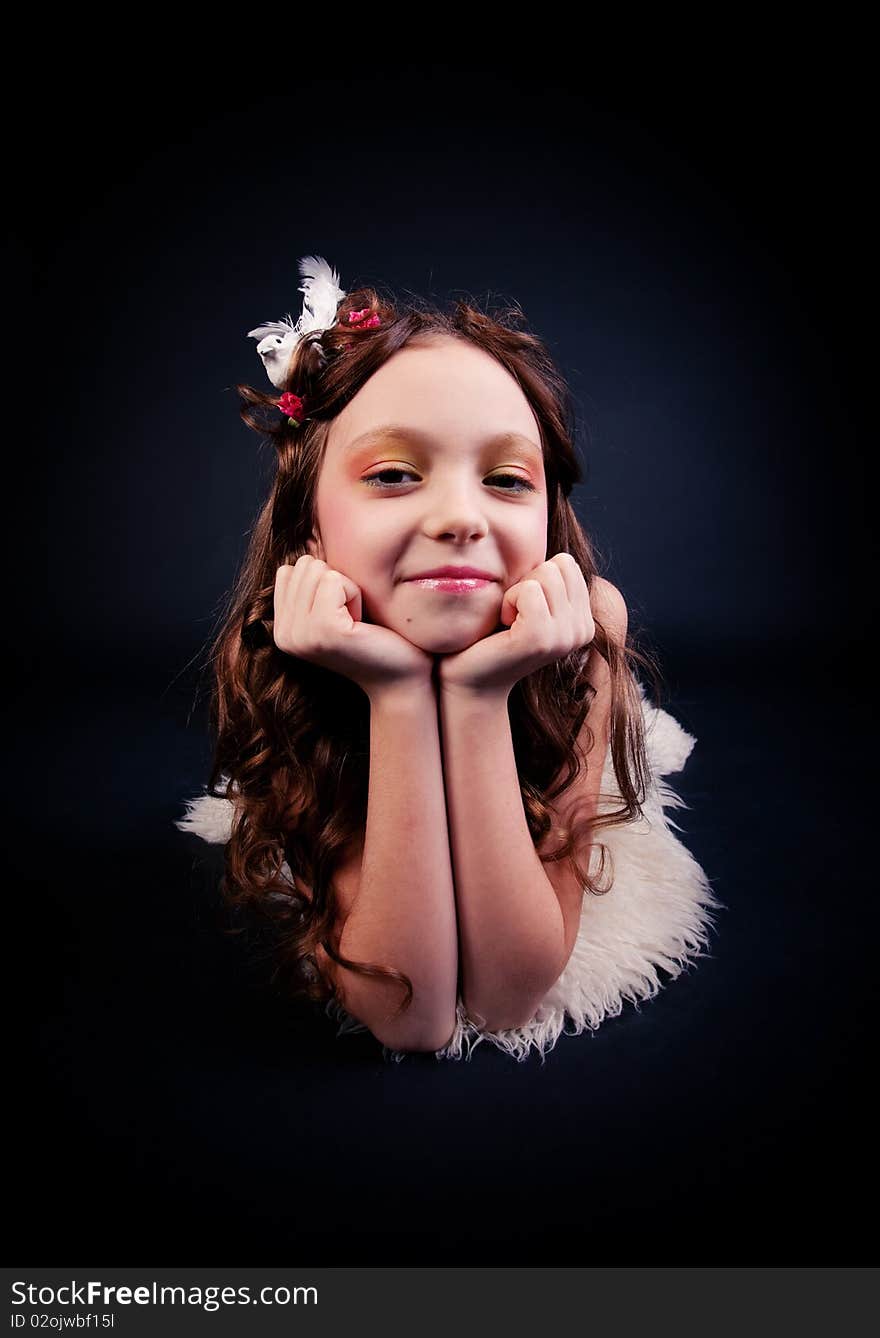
(609, 608)
(580, 800)
(346, 883)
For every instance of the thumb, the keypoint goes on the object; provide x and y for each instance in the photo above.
(353, 599)
(509, 604)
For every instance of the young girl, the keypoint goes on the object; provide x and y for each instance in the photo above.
(424, 697)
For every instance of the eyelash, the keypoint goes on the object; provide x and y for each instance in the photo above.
(370, 479)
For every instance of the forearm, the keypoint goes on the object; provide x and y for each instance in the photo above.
(511, 932)
(404, 913)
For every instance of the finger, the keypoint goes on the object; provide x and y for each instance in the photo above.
(508, 604)
(351, 588)
(578, 595)
(555, 588)
(589, 622)
(337, 592)
(572, 575)
(282, 580)
(314, 571)
(526, 598)
(330, 595)
(307, 573)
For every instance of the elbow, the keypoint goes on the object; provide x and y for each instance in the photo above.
(427, 1024)
(411, 1034)
(428, 1044)
(502, 1014)
(499, 1020)
(507, 1007)
(413, 1040)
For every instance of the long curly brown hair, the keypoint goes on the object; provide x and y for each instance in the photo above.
(291, 745)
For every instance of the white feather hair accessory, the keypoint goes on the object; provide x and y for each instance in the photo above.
(320, 303)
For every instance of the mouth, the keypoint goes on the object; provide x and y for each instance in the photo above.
(459, 571)
(452, 585)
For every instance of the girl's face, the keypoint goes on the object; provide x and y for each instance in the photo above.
(436, 461)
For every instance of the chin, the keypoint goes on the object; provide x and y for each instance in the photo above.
(444, 645)
(436, 634)
(441, 640)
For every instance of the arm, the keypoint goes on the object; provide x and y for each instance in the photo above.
(518, 918)
(404, 913)
(510, 921)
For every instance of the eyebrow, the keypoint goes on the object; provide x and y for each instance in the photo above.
(402, 432)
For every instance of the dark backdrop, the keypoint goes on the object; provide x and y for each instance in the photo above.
(688, 237)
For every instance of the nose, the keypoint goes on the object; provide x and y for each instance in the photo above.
(455, 512)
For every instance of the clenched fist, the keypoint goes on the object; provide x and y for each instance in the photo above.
(318, 615)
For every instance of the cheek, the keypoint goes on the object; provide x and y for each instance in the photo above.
(354, 540)
(330, 508)
(337, 520)
(532, 539)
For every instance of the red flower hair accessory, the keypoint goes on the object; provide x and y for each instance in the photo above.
(293, 406)
(357, 318)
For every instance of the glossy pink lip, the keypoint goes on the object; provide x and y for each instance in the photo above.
(456, 573)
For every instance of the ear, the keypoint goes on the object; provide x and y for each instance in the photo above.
(315, 548)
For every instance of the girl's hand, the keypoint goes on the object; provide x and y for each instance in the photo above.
(318, 618)
(551, 616)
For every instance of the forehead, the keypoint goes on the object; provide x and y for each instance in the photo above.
(447, 394)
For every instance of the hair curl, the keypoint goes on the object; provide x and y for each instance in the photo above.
(292, 756)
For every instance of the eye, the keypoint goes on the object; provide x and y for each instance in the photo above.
(374, 480)
(515, 478)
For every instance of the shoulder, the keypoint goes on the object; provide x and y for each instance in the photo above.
(346, 883)
(609, 608)
(580, 800)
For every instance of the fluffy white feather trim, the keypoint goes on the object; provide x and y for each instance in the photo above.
(657, 915)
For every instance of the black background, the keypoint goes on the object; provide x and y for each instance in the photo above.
(687, 230)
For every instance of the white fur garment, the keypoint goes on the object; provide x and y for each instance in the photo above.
(658, 913)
